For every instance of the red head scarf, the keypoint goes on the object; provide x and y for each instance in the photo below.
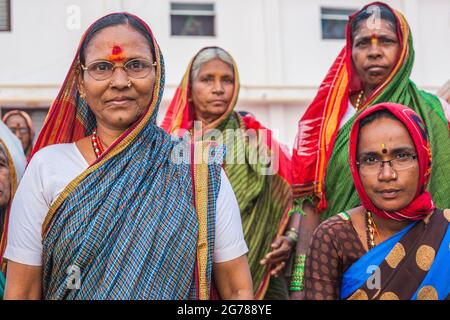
(319, 125)
(422, 205)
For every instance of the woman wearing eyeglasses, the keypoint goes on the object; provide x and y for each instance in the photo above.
(20, 123)
(103, 210)
(375, 66)
(396, 245)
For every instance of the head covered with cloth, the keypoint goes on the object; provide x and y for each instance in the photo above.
(204, 104)
(415, 262)
(374, 67)
(129, 224)
(12, 166)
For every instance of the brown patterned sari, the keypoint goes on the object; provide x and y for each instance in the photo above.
(415, 265)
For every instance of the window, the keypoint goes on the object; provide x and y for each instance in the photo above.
(192, 19)
(334, 22)
(5, 15)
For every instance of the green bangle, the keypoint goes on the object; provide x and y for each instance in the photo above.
(297, 205)
(297, 278)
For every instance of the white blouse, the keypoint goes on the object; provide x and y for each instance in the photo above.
(54, 167)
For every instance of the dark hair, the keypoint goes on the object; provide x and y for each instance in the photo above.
(3, 152)
(113, 20)
(385, 14)
(380, 114)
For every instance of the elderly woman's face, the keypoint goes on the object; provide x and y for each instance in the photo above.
(116, 103)
(212, 89)
(5, 180)
(374, 52)
(18, 125)
(384, 139)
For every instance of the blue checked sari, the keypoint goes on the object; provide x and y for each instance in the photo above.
(129, 226)
(414, 264)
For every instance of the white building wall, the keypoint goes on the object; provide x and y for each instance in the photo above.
(277, 45)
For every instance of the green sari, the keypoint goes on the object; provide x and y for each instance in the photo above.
(264, 197)
(327, 176)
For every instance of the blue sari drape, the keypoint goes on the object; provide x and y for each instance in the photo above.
(433, 273)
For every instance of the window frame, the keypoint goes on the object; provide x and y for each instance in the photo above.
(334, 17)
(205, 13)
(8, 13)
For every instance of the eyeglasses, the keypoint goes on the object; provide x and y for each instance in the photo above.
(370, 165)
(22, 130)
(136, 68)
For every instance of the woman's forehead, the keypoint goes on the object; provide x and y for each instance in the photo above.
(216, 66)
(124, 38)
(378, 27)
(384, 131)
(16, 119)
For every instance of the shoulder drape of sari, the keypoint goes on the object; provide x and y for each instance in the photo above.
(264, 197)
(413, 264)
(128, 227)
(320, 159)
(16, 164)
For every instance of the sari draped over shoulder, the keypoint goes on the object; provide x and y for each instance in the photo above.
(414, 264)
(12, 149)
(257, 166)
(136, 224)
(320, 158)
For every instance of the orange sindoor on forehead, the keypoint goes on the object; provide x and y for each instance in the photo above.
(374, 39)
(117, 54)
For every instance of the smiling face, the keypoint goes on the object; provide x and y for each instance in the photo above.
(374, 52)
(119, 101)
(212, 90)
(386, 139)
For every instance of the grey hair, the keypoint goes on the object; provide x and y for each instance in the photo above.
(207, 55)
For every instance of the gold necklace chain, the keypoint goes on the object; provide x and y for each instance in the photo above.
(371, 229)
(358, 100)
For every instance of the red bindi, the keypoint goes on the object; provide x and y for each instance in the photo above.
(117, 54)
(374, 39)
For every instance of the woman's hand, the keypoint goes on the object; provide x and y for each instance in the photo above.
(281, 251)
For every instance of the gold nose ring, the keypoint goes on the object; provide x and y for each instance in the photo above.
(111, 84)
